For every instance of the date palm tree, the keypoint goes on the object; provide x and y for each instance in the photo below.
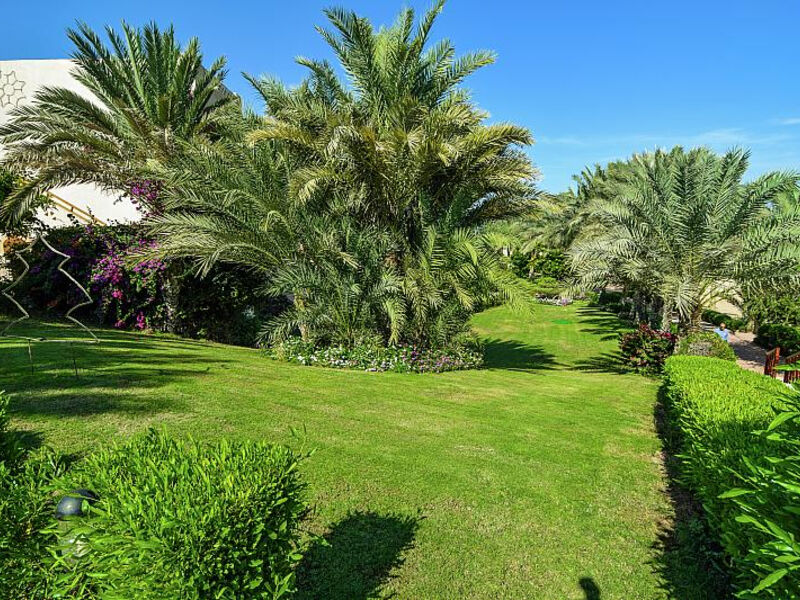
(388, 181)
(146, 93)
(683, 228)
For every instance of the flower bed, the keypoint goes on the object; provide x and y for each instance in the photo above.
(396, 359)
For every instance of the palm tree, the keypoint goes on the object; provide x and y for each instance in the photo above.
(402, 146)
(388, 182)
(682, 228)
(147, 93)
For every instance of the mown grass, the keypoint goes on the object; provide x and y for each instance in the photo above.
(537, 477)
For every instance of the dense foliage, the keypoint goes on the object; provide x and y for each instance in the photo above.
(646, 349)
(705, 343)
(398, 359)
(181, 519)
(782, 309)
(361, 201)
(132, 291)
(774, 335)
(681, 229)
(769, 498)
(732, 323)
(26, 513)
(713, 408)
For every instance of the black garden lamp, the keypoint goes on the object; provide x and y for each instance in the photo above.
(73, 545)
(71, 505)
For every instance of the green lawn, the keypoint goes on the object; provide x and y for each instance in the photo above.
(537, 477)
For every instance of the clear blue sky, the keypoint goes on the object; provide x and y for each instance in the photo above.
(594, 81)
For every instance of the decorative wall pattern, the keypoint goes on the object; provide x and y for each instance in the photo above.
(11, 89)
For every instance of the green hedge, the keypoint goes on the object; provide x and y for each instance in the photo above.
(732, 323)
(705, 343)
(183, 519)
(714, 407)
(772, 335)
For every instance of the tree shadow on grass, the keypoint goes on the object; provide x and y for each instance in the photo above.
(608, 362)
(607, 325)
(591, 590)
(356, 557)
(516, 356)
(111, 375)
(686, 557)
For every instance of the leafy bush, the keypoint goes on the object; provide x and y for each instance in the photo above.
(732, 323)
(771, 335)
(181, 519)
(771, 308)
(547, 286)
(548, 262)
(646, 349)
(769, 499)
(397, 359)
(26, 512)
(705, 343)
(713, 407)
(140, 293)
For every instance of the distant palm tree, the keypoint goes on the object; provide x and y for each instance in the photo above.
(681, 227)
(147, 94)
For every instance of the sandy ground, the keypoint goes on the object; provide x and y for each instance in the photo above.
(750, 356)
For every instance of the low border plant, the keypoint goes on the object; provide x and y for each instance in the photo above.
(396, 359)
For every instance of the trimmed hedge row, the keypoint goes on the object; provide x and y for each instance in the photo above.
(732, 323)
(714, 407)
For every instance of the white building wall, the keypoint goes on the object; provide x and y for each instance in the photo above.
(19, 81)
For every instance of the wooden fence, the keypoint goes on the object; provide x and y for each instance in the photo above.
(773, 358)
(792, 376)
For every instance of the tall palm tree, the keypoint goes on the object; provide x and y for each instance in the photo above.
(388, 181)
(147, 92)
(682, 227)
(401, 146)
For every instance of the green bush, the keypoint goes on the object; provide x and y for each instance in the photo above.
(26, 513)
(705, 343)
(732, 323)
(181, 519)
(769, 502)
(713, 407)
(646, 349)
(770, 308)
(547, 286)
(772, 335)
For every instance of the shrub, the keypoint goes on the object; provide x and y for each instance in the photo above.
(26, 512)
(548, 262)
(769, 308)
(547, 286)
(732, 323)
(705, 343)
(134, 293)
(646, 349)
(771, 335)
(769, 503)
(181, 519)
(713, 407)
(397, 359)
